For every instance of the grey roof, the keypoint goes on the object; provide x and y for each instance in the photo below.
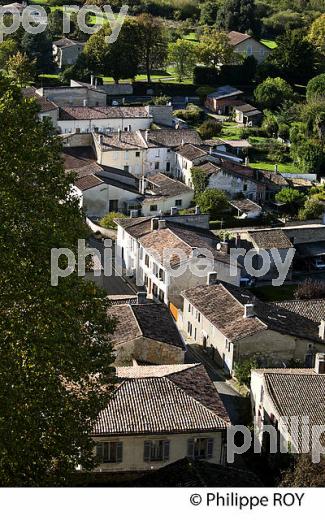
(150, 320)
(66, 42)
(312, 309)
(245, 205)
(223, 306)
(69, 113)
(160, 185)
(248, 110)
(224, 92)
(191, 152)
(298, 394)
(180, 401)
(269, 238)
(172, 137)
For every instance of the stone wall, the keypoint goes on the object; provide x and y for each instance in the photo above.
(149, 351)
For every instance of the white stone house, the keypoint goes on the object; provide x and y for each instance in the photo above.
(66, 52)
(158, 415)
(246, 45)
(165, 257)
(284, 399)
(232, 325)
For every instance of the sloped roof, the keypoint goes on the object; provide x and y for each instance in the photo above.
(44, 104)
(269, 238)
(66, 42)
(69, 113)
(223, 305)
(173, 402)
(312, 309)
(152, 321)
(191, 152)
(245, 205)
(163, 186)
(236, 37)
(224, 92)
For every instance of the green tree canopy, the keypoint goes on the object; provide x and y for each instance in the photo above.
(316, 88)
(182, 54)
(55, 355)
(152, 43)
(294, 199)
(215, 49)
(272, 92)
(238, 15)
(20, 69)
(39, 47)
(212, 201)
(316, 33)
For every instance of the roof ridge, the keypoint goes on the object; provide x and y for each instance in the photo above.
(198, 402)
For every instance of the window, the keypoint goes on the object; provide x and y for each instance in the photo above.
(178, 202)
(200, 448)
(167, 166)
(157, 152)
(245, 187)
(126, 168)
(161, 295)
(161, 275)
(153, 207)
(155, 268)
(113, 205)
(109, 452)
(157, 164)
(156, 451)
(146, 260)
(155, 290)
(189, 328)
(189, 307)
(137, 154)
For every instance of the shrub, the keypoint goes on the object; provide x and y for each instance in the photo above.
(313, 208)
(193, 114)
(243, 370)
(310, 289)
(210, 128)
(108, 220)
(212, 201)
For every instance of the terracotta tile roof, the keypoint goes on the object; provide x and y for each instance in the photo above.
(274, 178)
(69, 113)
(44, 104)
(163, 186)
(209, 168)
(312, 309)
(268, 238)
(87, 182)
(136, 227)
(236, 37)
(191, 152)
(170, 138)
(223, 306)
(152, 321)
(175, 402)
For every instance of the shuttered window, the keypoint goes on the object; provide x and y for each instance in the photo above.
(200, 448)
(109, 452)
(156, 451)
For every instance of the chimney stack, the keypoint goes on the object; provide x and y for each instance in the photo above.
(212, 278)
(161, 224)
(154, 224)
(249, 310)
(92, 80)
(322, 329)
(223, 247)
(142, 297)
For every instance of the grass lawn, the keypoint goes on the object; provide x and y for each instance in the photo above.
(269, 166)
(192, 36)
(269, 293)
(269, 43)
(230, 131)
(50, 76)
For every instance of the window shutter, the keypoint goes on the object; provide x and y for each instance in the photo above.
(210, 449)
(119, 451)
(147, 450)
(190, 448)
(100, 452)
(166, 450)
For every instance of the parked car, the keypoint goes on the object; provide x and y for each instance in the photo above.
(319, 263)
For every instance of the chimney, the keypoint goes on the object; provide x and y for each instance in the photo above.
(174, 211)
(197, 210)
(223, 247)
(322, 329)
(182, 142)
(143, 185)
(161, 224)
(212, 278)
(142, 297)
(249, 310)
(85, 102)
(154, 224)
(92, 80)
(146, 136)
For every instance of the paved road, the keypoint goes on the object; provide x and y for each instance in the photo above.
(113, 284)
(234, 403)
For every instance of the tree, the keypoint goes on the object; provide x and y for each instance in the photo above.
(316, 34)
(238, 15)
(55, 22)
(39, 47)
(273, 92)
(7, 48)
(215, 49)
(243, 370)
(309, 154)
(20, 69)
(293, 199)
(119, 59)
(199, 180)
(209, 11)
(313, 208)
(212, 201)
(152, 43)
(193, 114)
(304, 473)
(55, 355)
(316, 88)
(294, 57)
(182, 55)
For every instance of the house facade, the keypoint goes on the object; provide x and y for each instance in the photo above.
(246, 45)
(233, 325)
(66, 52)
(138, 431)
(223, 100)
